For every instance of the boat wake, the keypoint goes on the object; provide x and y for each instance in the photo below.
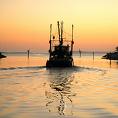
(22, 68)
(76, 68)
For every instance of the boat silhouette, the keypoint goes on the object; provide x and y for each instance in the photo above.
(111, 55)
(2, 56)
(60, 53)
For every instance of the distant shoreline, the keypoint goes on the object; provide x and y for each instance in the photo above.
(25, 52)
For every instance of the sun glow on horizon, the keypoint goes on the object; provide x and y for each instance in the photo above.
(25, 23)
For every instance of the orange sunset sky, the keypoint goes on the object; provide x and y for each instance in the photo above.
(24, 24)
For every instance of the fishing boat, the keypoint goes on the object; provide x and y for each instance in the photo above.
(61, 50)
(111, 55)
(2, 56)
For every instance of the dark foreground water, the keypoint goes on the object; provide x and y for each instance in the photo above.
(29, 90)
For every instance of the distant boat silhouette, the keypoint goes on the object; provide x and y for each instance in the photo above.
(61, 50)
(2, 56)
(111, 55)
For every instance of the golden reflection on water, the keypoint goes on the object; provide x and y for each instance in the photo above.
(97, 62)
(40, 60)
(22, 61)
(60, 82)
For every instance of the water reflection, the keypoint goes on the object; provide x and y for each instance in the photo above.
(113, 63)
(117, 62)
(61, 83)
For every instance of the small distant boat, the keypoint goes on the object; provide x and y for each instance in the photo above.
(2, 56)
(61, 50)
(111, 55)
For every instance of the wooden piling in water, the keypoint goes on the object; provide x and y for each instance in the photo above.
(80, 52)
(28, 53)
(93, 55)
(110, 59)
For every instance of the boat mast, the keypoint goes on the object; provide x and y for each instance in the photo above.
(59, 31)
(72, 42)
(50, 50)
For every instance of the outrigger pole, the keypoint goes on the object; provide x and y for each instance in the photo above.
(59, 31)
(72, 42)
(50, 50)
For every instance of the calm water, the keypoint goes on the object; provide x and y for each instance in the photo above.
(29, 90)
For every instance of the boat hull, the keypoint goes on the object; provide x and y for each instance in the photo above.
(111, 56)
(59, 63)
(2, 56)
